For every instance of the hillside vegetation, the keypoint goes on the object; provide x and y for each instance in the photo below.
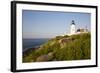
(61, 48)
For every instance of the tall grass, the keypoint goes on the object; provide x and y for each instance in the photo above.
(78, 48)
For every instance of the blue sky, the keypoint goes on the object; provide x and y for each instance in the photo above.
(48, 24)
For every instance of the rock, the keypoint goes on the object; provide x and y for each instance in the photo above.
(64, 40)
(50, 54)
(47, 57)
(43, 58)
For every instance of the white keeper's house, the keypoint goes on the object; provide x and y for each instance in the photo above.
(73, 29)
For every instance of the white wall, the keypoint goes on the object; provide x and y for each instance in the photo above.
(5, 36)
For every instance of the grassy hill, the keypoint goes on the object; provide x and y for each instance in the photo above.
(61, 48)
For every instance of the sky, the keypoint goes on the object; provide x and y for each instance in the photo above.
(48, 24)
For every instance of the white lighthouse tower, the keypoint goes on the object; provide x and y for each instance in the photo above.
(72, 29)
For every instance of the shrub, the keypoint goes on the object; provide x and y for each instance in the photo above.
(77, 48)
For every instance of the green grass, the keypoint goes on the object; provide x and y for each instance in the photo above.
(78, 47)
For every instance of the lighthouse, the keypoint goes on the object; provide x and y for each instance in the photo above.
(72, 28)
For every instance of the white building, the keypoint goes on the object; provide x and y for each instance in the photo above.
(72, 28)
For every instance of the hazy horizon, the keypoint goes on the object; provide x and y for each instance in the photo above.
(48, 24)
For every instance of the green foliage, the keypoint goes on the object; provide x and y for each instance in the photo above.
(58, 37)
(65, 36)
(78, 48)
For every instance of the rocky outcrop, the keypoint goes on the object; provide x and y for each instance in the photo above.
(64, 41)
(47, 57)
